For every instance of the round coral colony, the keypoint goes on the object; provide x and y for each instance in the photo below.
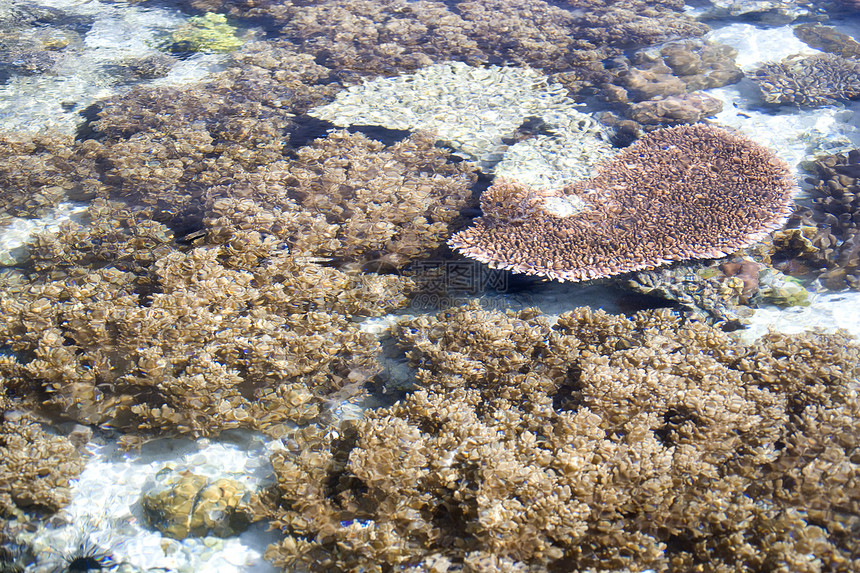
(687, 192)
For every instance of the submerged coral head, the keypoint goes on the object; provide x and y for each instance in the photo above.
(687, 192)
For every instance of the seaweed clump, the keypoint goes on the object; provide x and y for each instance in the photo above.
(592, 442)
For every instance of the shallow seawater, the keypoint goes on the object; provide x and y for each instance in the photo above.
(245, 324)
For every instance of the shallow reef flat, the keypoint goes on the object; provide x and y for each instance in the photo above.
(236, 333)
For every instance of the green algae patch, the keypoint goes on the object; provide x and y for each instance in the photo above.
(210, 34)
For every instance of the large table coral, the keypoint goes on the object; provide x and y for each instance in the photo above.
(681, 193)
(591, 442)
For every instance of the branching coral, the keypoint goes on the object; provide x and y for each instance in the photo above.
(826, 241)
(237, 335)
(681, 193)
(351, 198)
(381, 38)
(594, 443)
(35, 466)
(813, 82)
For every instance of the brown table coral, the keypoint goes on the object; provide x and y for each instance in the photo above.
(676, 194)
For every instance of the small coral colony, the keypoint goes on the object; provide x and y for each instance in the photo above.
(221, 272)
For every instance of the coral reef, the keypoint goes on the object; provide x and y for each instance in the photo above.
(35, 466)
(350, 198)
(825, 240)
(590, 443)
(717, 293)
(37, 172)
(675, 110)
(380, 38)
(558, 154)
(836, 192)
(661, 87)
(827, 39)
(470, 109)
(238, 335)
(813, 81)
(676, 194)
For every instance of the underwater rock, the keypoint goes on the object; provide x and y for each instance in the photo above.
(676, 194)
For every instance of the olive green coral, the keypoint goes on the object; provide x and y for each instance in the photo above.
(590, 442)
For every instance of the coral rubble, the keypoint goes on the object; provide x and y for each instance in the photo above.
(676, 194)
(589, 443)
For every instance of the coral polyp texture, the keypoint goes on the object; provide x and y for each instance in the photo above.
(681, 193)
(827, 240)
(237, 335)
(379, 38)
(813, 81)
(584, 443)
(471, 109)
